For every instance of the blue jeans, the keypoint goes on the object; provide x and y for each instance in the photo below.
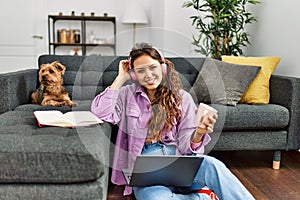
(212, 174)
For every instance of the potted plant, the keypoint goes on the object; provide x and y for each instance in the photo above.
(221, 25)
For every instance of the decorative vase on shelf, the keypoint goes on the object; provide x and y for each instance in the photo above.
(91, 37)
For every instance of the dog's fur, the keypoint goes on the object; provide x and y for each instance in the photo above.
(51, 91)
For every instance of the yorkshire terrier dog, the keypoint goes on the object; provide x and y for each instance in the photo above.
(51, 91)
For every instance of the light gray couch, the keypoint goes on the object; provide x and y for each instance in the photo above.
(61, 163)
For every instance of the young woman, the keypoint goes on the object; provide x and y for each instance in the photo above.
(156, 116)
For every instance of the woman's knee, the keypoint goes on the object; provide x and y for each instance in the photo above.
(213, 163)
(152, 192)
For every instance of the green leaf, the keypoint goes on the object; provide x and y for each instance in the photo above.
(221, 21)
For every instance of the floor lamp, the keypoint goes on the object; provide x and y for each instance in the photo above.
(134, 14)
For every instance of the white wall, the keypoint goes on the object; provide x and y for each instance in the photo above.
(170, 29)
(277, 33)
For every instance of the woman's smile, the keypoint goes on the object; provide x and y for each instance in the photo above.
(150, 81)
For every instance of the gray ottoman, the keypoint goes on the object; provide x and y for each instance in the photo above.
(51, 162)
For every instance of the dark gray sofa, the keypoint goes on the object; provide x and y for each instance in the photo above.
(59, 163)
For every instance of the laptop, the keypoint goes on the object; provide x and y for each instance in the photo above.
(167, 170)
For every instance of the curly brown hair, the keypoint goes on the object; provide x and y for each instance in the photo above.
(165, 111)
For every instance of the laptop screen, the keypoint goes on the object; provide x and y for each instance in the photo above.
(168, 170)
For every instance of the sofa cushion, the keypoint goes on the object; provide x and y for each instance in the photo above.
(258, 91)
(82, 105)
(221, 82)
(188, 69)
(252, 117)
(29, 153)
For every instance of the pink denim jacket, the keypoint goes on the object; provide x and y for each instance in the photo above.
(130, 109)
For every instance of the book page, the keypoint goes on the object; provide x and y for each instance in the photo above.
(82, 118)
(52, 118)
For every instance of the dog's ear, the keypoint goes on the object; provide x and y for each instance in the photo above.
(61, 68)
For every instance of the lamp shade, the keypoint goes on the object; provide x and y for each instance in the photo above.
(134, 14)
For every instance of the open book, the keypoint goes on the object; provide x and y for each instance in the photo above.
(69, 119)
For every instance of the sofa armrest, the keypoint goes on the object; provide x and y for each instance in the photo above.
(285, 91)
(16, 88)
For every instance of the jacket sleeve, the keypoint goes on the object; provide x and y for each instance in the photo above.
(108, 106)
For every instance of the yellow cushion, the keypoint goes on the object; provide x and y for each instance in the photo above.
(258, 91)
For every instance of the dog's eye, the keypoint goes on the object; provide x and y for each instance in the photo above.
(51, 71)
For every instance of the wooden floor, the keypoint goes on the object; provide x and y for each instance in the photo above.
(254, 169)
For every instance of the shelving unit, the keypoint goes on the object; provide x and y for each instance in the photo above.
(84, 43)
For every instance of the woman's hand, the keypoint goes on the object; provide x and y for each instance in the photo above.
(208, 125)
(123, 75)
(207, 128)
(123, 69)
